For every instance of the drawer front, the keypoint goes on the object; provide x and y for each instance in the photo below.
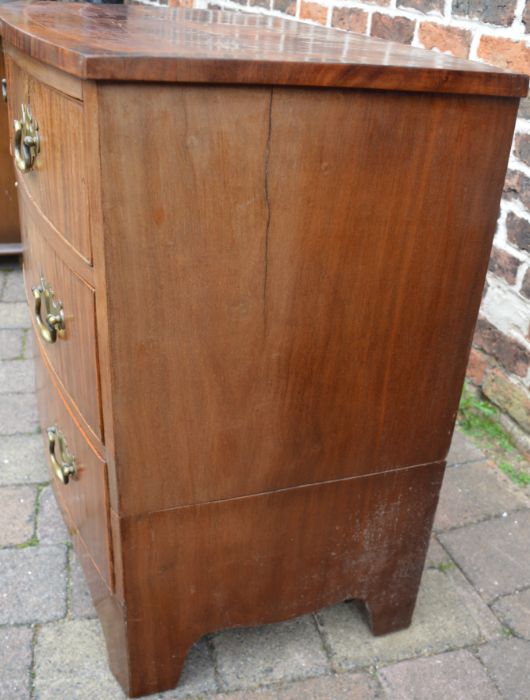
(84, 498)
(58, 174)
(72, 353)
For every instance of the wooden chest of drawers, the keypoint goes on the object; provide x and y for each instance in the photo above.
(255, 252)
(9, 226)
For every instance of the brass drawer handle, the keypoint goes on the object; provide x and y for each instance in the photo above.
(27, 140)
(4, 89)
(63, 465)
(53, 324)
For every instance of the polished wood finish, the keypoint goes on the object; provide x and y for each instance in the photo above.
(73, 356)
(130, 42)
(58, 182)
(275, 317)
(84, 500)
(9, 227)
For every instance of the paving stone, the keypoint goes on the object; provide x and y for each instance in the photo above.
(11, 344)
(507, 662)
(15, 661)
(14, 286)
(18, 414)
(488, 624)
(17, 514)
(17, 376)
(493, 554)
(436, 555)
(463, 450)
(473, 492)
(284, 652)
(457, 675)
(514, 611)
(22, 459)
(441, 621)
(32, 584)
(50, 525)
(14, 315)
(80, 600)
(198, 675)
(71, 663)
(343, 686)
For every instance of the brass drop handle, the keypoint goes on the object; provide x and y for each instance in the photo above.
(53, 323)
(27, 140)
(4, 89)
(63, 463)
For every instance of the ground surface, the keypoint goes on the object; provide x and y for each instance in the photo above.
(470, 638)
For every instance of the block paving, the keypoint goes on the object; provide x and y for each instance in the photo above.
(469, 640)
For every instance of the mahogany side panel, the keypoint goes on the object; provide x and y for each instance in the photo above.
(9, 227)
(231, 564)
(292, 286)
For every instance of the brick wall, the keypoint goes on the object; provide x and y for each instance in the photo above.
(496, 32)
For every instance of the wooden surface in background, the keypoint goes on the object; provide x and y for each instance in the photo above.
(131, 42)
(9, 226)
(290, 300)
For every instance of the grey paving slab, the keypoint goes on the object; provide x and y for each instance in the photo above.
(15, 662)
(17, 376)
(80, 600)
(473, 492)
(508, 663)
(13, 286)
(11, 344)
(17, 514)
(50, 525)
(14, 315)
(343, 686)
(442, 621)
(489, 625)
(287, 651)
(493, 554)
(32, 584)
(18, 414)
(456, 675)
(198, 675)
(22, 459)
(514, 611)
(71, 663)
(436, 555)
(462, 450)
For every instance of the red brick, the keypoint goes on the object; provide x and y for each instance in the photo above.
(423, 5)
(525, 287)
(313, 12)
(352, 19)
(522, 147)
(518, 231)
(512, 398)
(398, 29)
(504, 265)
(505, 53)
(526, 17)
(517, 185)
(445, 39)
(490, 11)
(513, 356)
(181, 3)
(476, 367)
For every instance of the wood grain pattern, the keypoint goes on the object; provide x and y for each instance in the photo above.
(229, 564)
(312, 281)
(84, 499)
(73, 356)
(58, 182)
(130, 42)
(9, 226)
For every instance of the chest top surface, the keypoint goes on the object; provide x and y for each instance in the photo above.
(132, 42)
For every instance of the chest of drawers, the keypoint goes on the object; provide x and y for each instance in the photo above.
(254, 252)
